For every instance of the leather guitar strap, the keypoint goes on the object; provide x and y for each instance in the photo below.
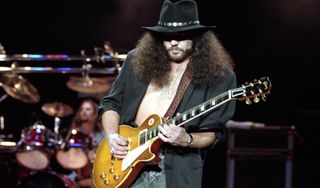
(185, 80)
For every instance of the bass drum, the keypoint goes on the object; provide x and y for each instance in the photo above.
(41, 179)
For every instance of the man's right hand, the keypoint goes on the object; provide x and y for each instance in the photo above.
(118, 145)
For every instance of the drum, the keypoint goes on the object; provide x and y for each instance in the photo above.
(33, 150)
(73, 153)
(46, 179)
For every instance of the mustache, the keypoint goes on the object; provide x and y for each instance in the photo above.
(175, 48)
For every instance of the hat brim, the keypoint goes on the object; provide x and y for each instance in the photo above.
(161, 29)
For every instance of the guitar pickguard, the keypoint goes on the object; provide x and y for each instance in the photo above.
(133, 155)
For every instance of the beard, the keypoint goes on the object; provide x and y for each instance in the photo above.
(178, 54)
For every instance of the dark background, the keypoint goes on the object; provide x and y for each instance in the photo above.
(275, 38)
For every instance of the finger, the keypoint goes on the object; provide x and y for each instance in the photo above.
(116, 147)
(119, 156)
(164, 130)
(118, 152)
(120, 141)
(171, 128)
(164, 138)
(120, 147)
(123, 141)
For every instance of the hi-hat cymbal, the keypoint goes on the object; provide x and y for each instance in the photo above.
(19, 88)
(89, 84)
(57, 109)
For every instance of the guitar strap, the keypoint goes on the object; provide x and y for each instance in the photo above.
(185, 80)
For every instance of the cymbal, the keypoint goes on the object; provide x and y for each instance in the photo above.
(57, 109)
(19, 88)
(89, 84)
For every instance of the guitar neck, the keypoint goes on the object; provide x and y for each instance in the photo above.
(196, 111)
(245, 92)
(200, 109)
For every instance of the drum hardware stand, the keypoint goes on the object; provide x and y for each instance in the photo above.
(4, 96)
(57, 122)
(1, 123)
(1, 128)
(86, 67)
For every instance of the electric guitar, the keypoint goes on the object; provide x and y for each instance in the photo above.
(144, 144)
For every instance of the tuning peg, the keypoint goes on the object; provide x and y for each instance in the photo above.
(248, 101)
(256, 99)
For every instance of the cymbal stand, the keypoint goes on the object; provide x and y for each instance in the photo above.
(4, 96)
(1, 124)
(86, 67)
(57, 122)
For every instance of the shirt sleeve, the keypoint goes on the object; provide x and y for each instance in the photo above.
(114, 99)
(216, 119)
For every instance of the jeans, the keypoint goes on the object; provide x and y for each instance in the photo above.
(152, 178)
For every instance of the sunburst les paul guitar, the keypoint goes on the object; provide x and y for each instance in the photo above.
(144, 144)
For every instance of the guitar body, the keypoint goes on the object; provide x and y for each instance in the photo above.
(110, 172)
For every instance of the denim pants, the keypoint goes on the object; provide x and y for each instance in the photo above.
(152, 178)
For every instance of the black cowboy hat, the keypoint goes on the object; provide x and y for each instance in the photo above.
(177, 17)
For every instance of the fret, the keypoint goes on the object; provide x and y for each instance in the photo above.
(193, 113)
(155, 132)
(213, 103)
(184, 117)
(150, 134)
(202, 108)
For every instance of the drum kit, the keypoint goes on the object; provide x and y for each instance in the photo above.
(39, 146)
(40, 149)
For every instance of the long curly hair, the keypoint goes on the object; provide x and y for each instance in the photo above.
(208, 63)
(76, 122)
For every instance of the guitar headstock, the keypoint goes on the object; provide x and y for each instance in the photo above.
(253, 91)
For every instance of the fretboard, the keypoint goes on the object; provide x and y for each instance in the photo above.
(188, 115)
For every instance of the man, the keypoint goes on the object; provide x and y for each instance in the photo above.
(177, 49)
